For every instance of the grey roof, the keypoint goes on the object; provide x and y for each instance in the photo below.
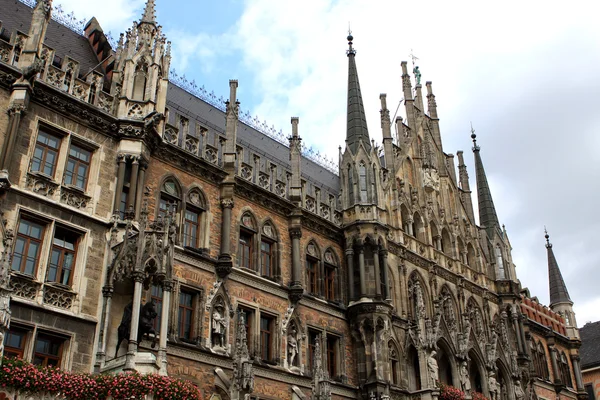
(590, 345)
(252, 140)
(487, 211)
(16, 16)
(558, 289)
(356, 128)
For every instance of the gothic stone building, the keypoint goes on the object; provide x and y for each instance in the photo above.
(134, 199)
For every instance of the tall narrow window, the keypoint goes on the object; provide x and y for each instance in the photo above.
(245, 250)
(186, 315)
(62, 258)
(78, 167)
(394, 364)
(156, 295)
(191, 228)
(14, 343)
(332, 344)
(45, 154)
(500, 263)
(330, 271)
(312, 266)
(170, 197)
(350, 186)
(47, 350)
(362, 182)
(27, 247)
(139, 81)
(266, 257)
(266, 325)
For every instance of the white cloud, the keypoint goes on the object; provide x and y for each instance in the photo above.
(115, 16)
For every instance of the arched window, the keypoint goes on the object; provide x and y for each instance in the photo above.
(462, 251)
(170, 197)
(362, 182)
(446, 242)
(394, 364)
(17, 51)
(313, 276)
(68, 78)
(140, 78)
(246, 242)
(565, 371)
(500, 263)
(92, 94)
(269, 251)
(544, 370)
(350, 186)
(330, 269)
(406, 220)
(194, 221)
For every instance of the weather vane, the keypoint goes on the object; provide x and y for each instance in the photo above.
(414, 58)
(416, 71)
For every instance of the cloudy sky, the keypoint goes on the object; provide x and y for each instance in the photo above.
(525, 73)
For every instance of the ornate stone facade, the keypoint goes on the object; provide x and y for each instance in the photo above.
(266, 279)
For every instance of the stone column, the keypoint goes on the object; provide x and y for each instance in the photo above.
(131, 196)
(515, 320)
(107, 293)
(14, 120)
(135, 321)
(350, 264)
(225, 263)
(555, 370)
(377, 272)
(386, 279)
(164, 326)
(296, 285)
(361, 268)
(121, 159)
(140, 188)
(577, 372)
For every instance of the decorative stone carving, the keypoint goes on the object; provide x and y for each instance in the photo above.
(192, 144)
(58, 297)
(210, 154)
(136, 112)
(263, 181)
(519, 393)
(247, 221)
(292, 345)
(310, 204)
(73, 198)
(268, 230)
(280, 189)
(246, 172)
(171, 135)
(41, 185)
(243, 374)
(431, 180)
(23, 287)
(312, 250)
(325, 211)
(493, 386)
(195, 198)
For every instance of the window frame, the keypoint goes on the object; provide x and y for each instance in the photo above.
(18, 352)
(249, 323)
(247, 233)
(266, 348)
(197, 225)
(331, 360)
(78, 162)
(60, 268)
(312, 279)
(313, 337)
(270, 273)
(47, 356)
(330, 272)
(191, 309)
(49, 132)
(158, 300)
(40, 241)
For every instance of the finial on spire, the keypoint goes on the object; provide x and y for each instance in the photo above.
(149, 12)
(350, 38)
(548, 244)
(474, 137)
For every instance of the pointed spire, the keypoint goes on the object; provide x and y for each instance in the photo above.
(357, 122)
(558, 289)
(487, 211)
(149, 12)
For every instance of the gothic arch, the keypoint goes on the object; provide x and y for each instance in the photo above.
(504, 381)
(270, 250)
(394, 372)
(219, 312)
(141, 76)
(448, 369)
(293, 334)
(477, 371)
(413, 369)
(449, 308)
(476, 318)
(418, 226)
(195, 224)
(471, 257)
(247, 254)
(332, 274)
(312, 265)
(447, 242)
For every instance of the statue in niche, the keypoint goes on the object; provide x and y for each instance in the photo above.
(432, 366)
(519, 393)
(218, 326)
(292, 344)
(493, 387)
(465, 381)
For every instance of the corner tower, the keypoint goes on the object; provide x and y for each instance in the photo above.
(560, 301)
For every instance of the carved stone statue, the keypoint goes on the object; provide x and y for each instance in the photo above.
(493, 387)
(432, 366)
(292, 344)
(218, 327)
(519, 393)
(465, 381)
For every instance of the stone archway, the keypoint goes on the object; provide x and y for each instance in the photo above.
(446, 364)
(413, 369)
(477, 373)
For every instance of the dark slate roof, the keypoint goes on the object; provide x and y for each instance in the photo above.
(487, 211)
(558, 289)
(253, 141)
(16, 16)
(590, 345)
(356, 128)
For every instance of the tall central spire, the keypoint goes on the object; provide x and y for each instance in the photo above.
(487, 211)
(357, 122)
